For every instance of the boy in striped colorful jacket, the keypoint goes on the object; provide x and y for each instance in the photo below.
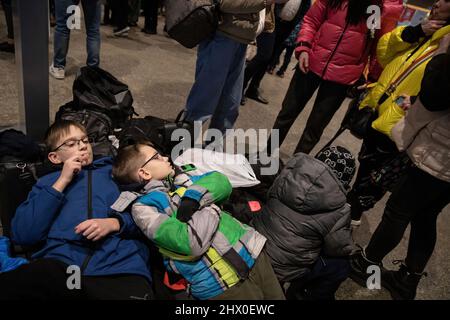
(219, 257)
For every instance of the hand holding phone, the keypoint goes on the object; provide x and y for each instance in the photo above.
(404, 102)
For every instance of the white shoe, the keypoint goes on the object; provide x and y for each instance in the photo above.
(122, 32)
(355, 223)
(57, 73)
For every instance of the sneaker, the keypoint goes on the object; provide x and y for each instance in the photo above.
(57, 73)
(355, 223)
(121, 32)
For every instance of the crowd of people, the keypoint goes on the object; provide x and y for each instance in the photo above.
(106, 215)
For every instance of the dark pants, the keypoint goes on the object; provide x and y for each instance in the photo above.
(282, 31)
(51, 7)
(287, 59)
(322, 282)
(120, 12)
(302, 87)
(256, 68)
(417, 199)
(151, 14)
(377, 149)
(92, 16)
(261, 284)
(46, 279)
(8, 17)
(135, 9)
(107, 17)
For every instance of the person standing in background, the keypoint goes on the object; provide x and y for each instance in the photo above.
(133, 15)
(8, 45)
(217, 90)
(120, 12)
(333, 48)
(256, 68)
(92, 16)
(151, 16)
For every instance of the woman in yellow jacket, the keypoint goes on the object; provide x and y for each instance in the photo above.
(404, 53)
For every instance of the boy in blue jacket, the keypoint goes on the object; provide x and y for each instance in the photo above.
(68, 213)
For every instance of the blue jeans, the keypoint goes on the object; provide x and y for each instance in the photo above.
(92, 13)
(321, 282)
(219, 78)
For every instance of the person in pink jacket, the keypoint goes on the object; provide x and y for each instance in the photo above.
(333, 48)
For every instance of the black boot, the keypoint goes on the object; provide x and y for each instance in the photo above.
(255, 94)
(7, 47)
(402, 284)
(359, 265)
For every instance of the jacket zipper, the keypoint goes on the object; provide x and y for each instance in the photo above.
(91, 250)
(334, 51)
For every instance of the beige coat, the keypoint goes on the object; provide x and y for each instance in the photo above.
(269, 24)
(426, 137)
(240, 19)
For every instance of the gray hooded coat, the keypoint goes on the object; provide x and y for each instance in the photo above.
(306, 216)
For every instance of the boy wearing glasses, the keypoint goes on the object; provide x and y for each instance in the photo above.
(88, 250)
(219, 257)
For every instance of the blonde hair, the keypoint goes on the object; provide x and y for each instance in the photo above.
(58, 130)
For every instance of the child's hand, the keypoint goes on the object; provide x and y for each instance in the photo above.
(96, 229)
(71, 167)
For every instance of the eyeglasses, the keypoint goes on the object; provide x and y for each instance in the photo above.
(71, 143)
(157, 156)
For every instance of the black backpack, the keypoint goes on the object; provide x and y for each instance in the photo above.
(18, 174)
(96, 89)
(156, 130)
(98, 126)
(190, 22)
(17, 177)
(16, 143)
(243, 205)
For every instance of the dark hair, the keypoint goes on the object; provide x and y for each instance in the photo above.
(57, 130)
(357, 9)
(128, 161)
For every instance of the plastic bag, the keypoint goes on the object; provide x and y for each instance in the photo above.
(235, 166)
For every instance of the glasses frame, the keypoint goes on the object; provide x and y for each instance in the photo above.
(157, 155)
(77, 141)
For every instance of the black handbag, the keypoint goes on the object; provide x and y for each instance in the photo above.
(358, 120)
(388, 175)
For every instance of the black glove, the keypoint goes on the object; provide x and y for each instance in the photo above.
(186, 209)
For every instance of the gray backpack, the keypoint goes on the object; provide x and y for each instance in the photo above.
(191, 21)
